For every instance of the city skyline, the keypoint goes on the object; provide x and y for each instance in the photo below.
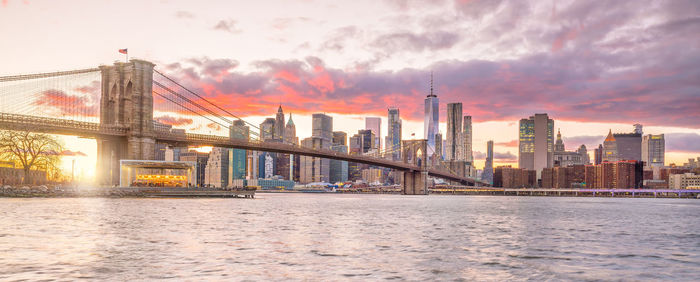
(352, 82)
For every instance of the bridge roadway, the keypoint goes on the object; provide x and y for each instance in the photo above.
(225, 142)
(96, 130)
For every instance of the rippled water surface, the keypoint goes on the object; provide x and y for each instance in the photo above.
(354, 237)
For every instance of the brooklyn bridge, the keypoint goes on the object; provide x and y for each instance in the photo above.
(121, 120)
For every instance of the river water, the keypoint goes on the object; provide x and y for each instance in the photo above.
(350, 237)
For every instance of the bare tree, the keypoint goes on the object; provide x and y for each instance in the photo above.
(30, 150)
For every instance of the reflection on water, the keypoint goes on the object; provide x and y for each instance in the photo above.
(336, 237)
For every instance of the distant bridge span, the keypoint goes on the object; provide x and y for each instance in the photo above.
(126, 123)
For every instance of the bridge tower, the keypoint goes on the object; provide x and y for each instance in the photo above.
(127, 101)
(415, 152)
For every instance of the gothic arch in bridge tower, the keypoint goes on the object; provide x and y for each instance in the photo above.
(415, 181)
(126, 102)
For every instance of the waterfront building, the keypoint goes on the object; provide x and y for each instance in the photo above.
(487, 175)
(509, 177)
(467, 139)
(454, 139)
(536, 143)
(393, 138)
(239, 161)
(153, 173)
(684, 181)
(653, 150)
(437, 155)
(314, 169)
(217, 170)
(564, 177)
(338, 168)
(432, 117)
(610, 148)
(200, 159)
(619, 175)
(375, 124)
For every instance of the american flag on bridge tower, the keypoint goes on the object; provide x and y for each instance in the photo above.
(123, 51)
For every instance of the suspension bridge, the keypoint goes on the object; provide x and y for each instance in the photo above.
(115, 105)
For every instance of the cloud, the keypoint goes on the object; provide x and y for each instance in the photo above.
(416, 42)
(682, 142)
(587, 61)
(505, 157)
(214, 126)
(174, 121)
(511, 143)
(498, 156)
(228, 26)
(62, 104)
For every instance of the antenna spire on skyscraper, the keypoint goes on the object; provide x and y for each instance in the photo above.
(431, 85)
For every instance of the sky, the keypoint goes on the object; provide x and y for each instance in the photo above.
(593, 66)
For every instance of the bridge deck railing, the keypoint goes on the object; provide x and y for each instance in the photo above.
(46, 122)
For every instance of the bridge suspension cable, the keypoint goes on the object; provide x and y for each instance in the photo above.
(45, 75)
(205, 100)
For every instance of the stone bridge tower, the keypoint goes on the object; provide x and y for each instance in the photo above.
(126, 101)
(415, 152)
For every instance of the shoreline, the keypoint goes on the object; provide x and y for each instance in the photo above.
(156, 192)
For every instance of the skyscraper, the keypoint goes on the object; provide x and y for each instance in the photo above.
(290, 137)
(598, 154)
(467, 136)
(536, 146)
(340, 138)
(322, 126)
(454, 139)
(290, 132)
(629, 146)
(559, 145)
(653, 150)
(279, 124)
(393, 138)
(238, 164)
(638, 129)
(375, 124)
(487, 175)
(314, 169)
(610, 148)
(339, 169)
(432, 118)
(267, 130)
(216, 172)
